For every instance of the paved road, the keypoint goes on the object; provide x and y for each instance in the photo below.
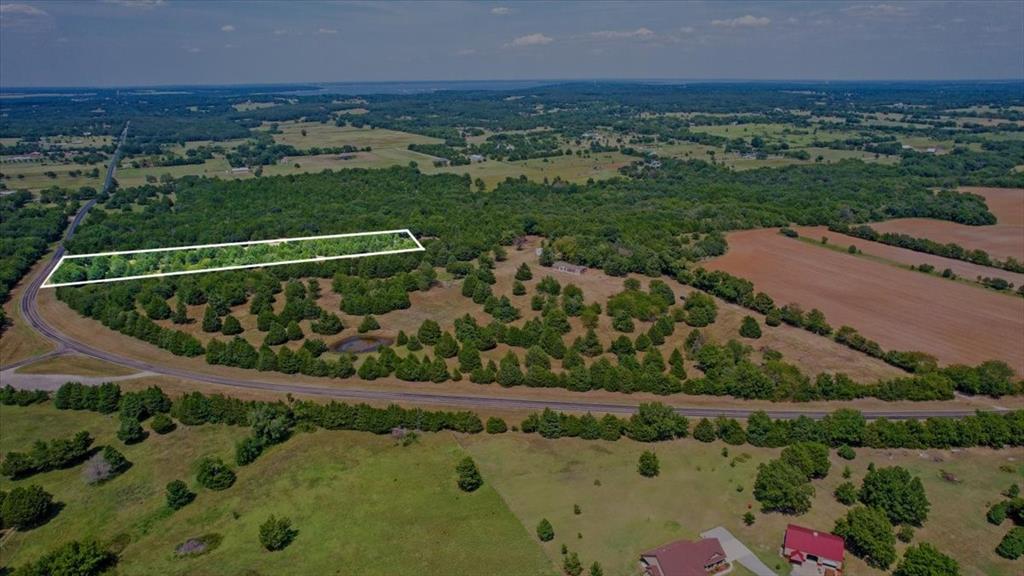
(737, 551)
(66, 344)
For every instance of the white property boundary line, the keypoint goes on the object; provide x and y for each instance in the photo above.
(419, 248)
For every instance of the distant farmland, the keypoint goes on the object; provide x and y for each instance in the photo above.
(900, 309)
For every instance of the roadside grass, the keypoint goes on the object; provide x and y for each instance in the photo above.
(18, 340)
(75, 365)
(623, 514)
(361, 503)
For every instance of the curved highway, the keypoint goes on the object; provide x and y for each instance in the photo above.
(65, 343)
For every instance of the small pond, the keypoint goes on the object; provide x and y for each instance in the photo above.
(361, 343)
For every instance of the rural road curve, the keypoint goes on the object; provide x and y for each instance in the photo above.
(30, 312)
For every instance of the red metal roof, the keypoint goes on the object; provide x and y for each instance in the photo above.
(685, 558)
(820, 544)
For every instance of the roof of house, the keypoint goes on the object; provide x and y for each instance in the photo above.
(820, 544)
(684, 558)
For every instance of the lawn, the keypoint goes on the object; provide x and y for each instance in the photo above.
(623, 514)
(362, 504)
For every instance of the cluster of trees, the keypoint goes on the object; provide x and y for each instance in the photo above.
(197, 259)
(27, 228)
(196, 408)
(950, 250)
(890, 496)
(784, 484)
(80, 558)
(842, 427)
(45, 456)
(9, 396)
(1012, 508)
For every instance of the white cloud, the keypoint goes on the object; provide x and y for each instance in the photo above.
(280, 32)
(748, 21)
(875, 10)
(227, 28)
(327, 31)
(638, 34)
(136, 3)
(687, 29)
(21, 10)
(466, 52)
(537, 39)
(501, 10)
(193, 50)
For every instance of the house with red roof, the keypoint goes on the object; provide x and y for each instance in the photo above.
(812, 553)
(685, 558)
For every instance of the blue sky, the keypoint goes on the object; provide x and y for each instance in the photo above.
(159, 42)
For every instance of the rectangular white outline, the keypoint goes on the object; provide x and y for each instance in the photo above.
(46, 283)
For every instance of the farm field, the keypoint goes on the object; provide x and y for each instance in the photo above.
(32, 176)
(1001, 240)
(907, 257)
(570, 168)
(354, 497)
(321, 135)
(623, 514)
(900, 309)
(217, 167)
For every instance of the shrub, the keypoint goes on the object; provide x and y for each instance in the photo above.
(545, 532)
(72, 559)
(571, 564)
(26, 507)
(905, 534)
(748, 518)
(846, 493)
(782, 487)
(496, 426)
(162, 424)
(809, 457)
(248, 450)
(368, 324)
(749, 328)
(1012, 545)
(215, 474)
(649, 466)
(846, 453)
(893, 491)
(925, 559)
(131, 431)
(997, 513)
(277, 533)
(178, 495)
(469, 476)
(704, 431)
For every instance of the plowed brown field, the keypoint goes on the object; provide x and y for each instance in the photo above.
(910, 257)
(1001, 240)
(902, 310)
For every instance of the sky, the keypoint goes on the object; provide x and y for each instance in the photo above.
(174, 42)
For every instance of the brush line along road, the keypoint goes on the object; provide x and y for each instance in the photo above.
(30, 312)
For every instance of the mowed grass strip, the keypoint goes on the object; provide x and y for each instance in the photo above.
(362, 504)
